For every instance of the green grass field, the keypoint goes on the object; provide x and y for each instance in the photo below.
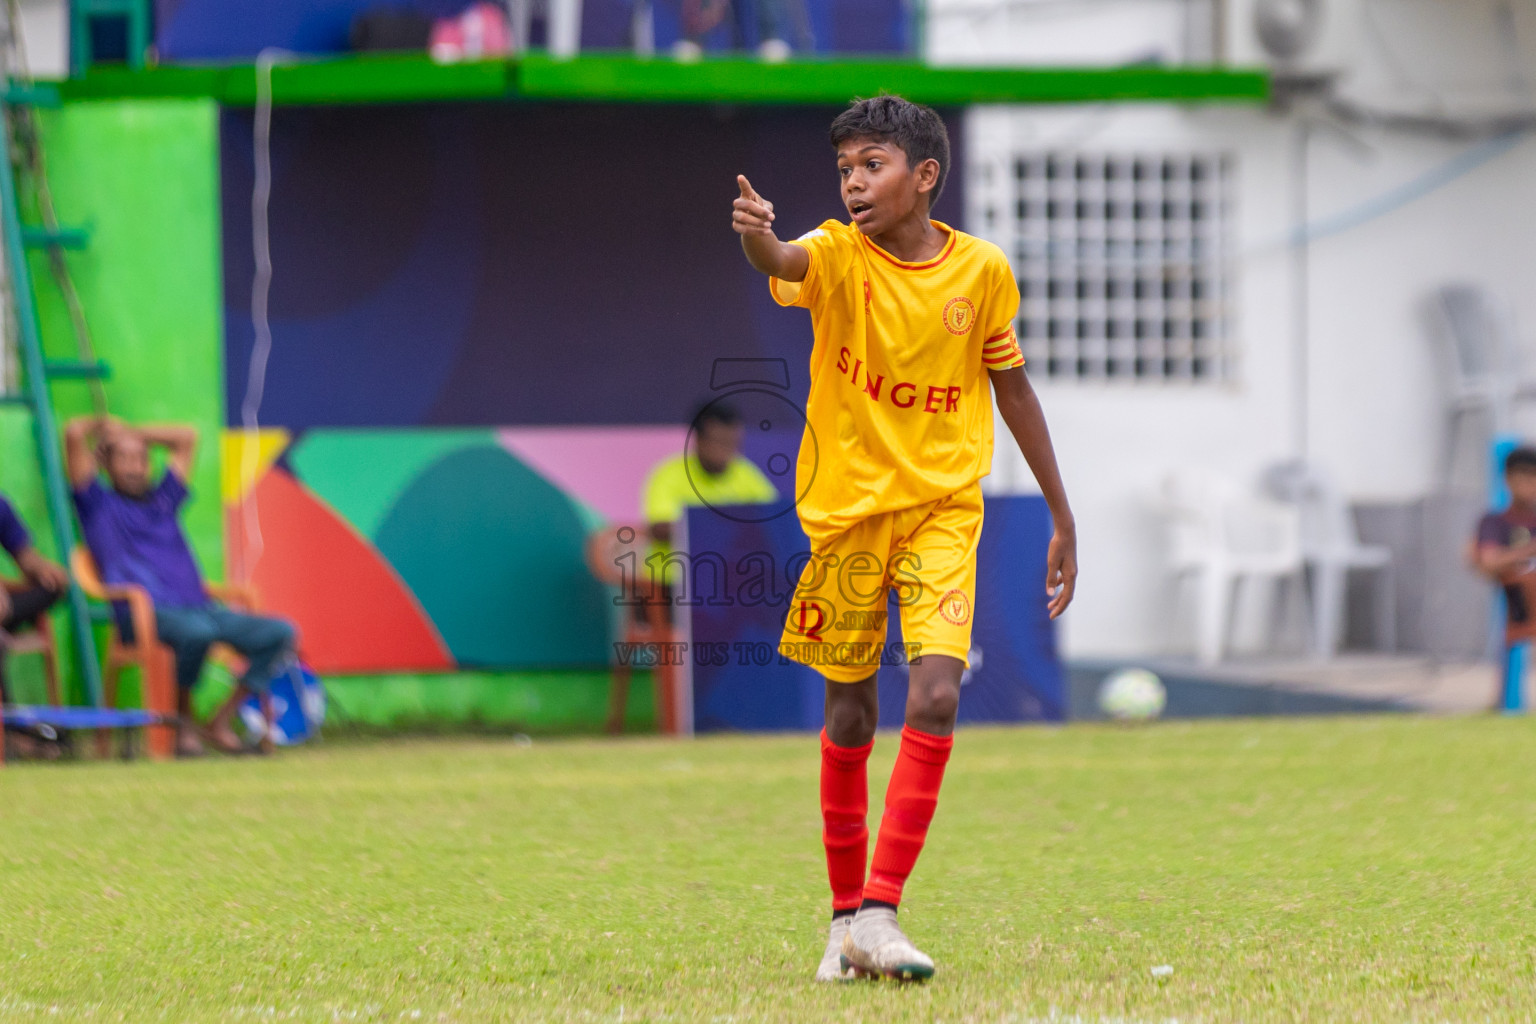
(1318, 870)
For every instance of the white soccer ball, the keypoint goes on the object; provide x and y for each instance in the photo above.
(1132, 695)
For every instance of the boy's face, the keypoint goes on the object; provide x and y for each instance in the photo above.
(127, 462)
(718, 444)
(880, 188)
(1522, 487)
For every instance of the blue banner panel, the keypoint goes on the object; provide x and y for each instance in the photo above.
(516, 264)
(209, 30)
(206, 30)
(744, 577)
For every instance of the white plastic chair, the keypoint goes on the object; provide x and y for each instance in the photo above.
(1480, 364)
(1222, 536)
(1331, 548)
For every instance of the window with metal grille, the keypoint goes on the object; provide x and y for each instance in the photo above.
(1121, 261)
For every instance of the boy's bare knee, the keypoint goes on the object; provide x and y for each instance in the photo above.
(933, 709)
(933, 695)
(853, 711)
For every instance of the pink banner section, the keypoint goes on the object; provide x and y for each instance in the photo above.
(603, 467)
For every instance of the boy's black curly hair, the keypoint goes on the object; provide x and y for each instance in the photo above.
(913, 128)
(1522, 458)
(717, 412)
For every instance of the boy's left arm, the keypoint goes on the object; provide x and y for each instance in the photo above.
(179, 442)
(1026, 421)
(1493, 553)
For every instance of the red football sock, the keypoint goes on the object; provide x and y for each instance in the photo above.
(845, 819)
(909, 804)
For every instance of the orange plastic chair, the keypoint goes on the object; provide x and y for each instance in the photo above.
(156, 661)
(38, 640)
(608, 553)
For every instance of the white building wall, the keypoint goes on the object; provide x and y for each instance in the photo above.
(1372, 398)
(45, 28)
(1056, 32)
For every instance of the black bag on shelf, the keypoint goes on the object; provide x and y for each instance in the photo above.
(390, 28)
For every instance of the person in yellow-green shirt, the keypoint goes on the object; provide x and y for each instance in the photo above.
(713, 473)
(913, 324)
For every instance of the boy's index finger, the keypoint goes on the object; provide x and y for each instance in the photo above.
(747, 191)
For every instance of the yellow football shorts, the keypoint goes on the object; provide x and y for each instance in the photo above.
(926, 554)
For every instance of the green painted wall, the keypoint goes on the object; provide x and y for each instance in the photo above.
(540, 702)
(142, 176)
(534, 702)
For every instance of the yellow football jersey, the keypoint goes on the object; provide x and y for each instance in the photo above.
(900, 409)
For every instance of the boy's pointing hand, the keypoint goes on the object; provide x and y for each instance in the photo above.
(751, 213)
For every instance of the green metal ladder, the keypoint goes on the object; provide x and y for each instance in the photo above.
(17, 100)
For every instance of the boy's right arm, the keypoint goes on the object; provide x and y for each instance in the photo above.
(80, 439)
(752, 219)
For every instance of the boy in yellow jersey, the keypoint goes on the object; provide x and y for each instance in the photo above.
(914, 333)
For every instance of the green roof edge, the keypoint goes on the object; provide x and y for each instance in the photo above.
(625, 78)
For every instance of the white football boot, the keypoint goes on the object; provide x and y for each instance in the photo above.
(831, 967)
(875, 945)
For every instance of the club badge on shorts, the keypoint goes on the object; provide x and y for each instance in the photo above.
(810, 617)
(955, 607)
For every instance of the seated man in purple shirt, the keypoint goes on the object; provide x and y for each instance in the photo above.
(132, 531)
(44, 582)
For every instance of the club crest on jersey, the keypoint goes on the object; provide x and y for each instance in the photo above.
(959, 315)
(955, 607)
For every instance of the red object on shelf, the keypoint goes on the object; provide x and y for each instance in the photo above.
(482, 30)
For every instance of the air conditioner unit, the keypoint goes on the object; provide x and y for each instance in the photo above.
(1299, 39)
